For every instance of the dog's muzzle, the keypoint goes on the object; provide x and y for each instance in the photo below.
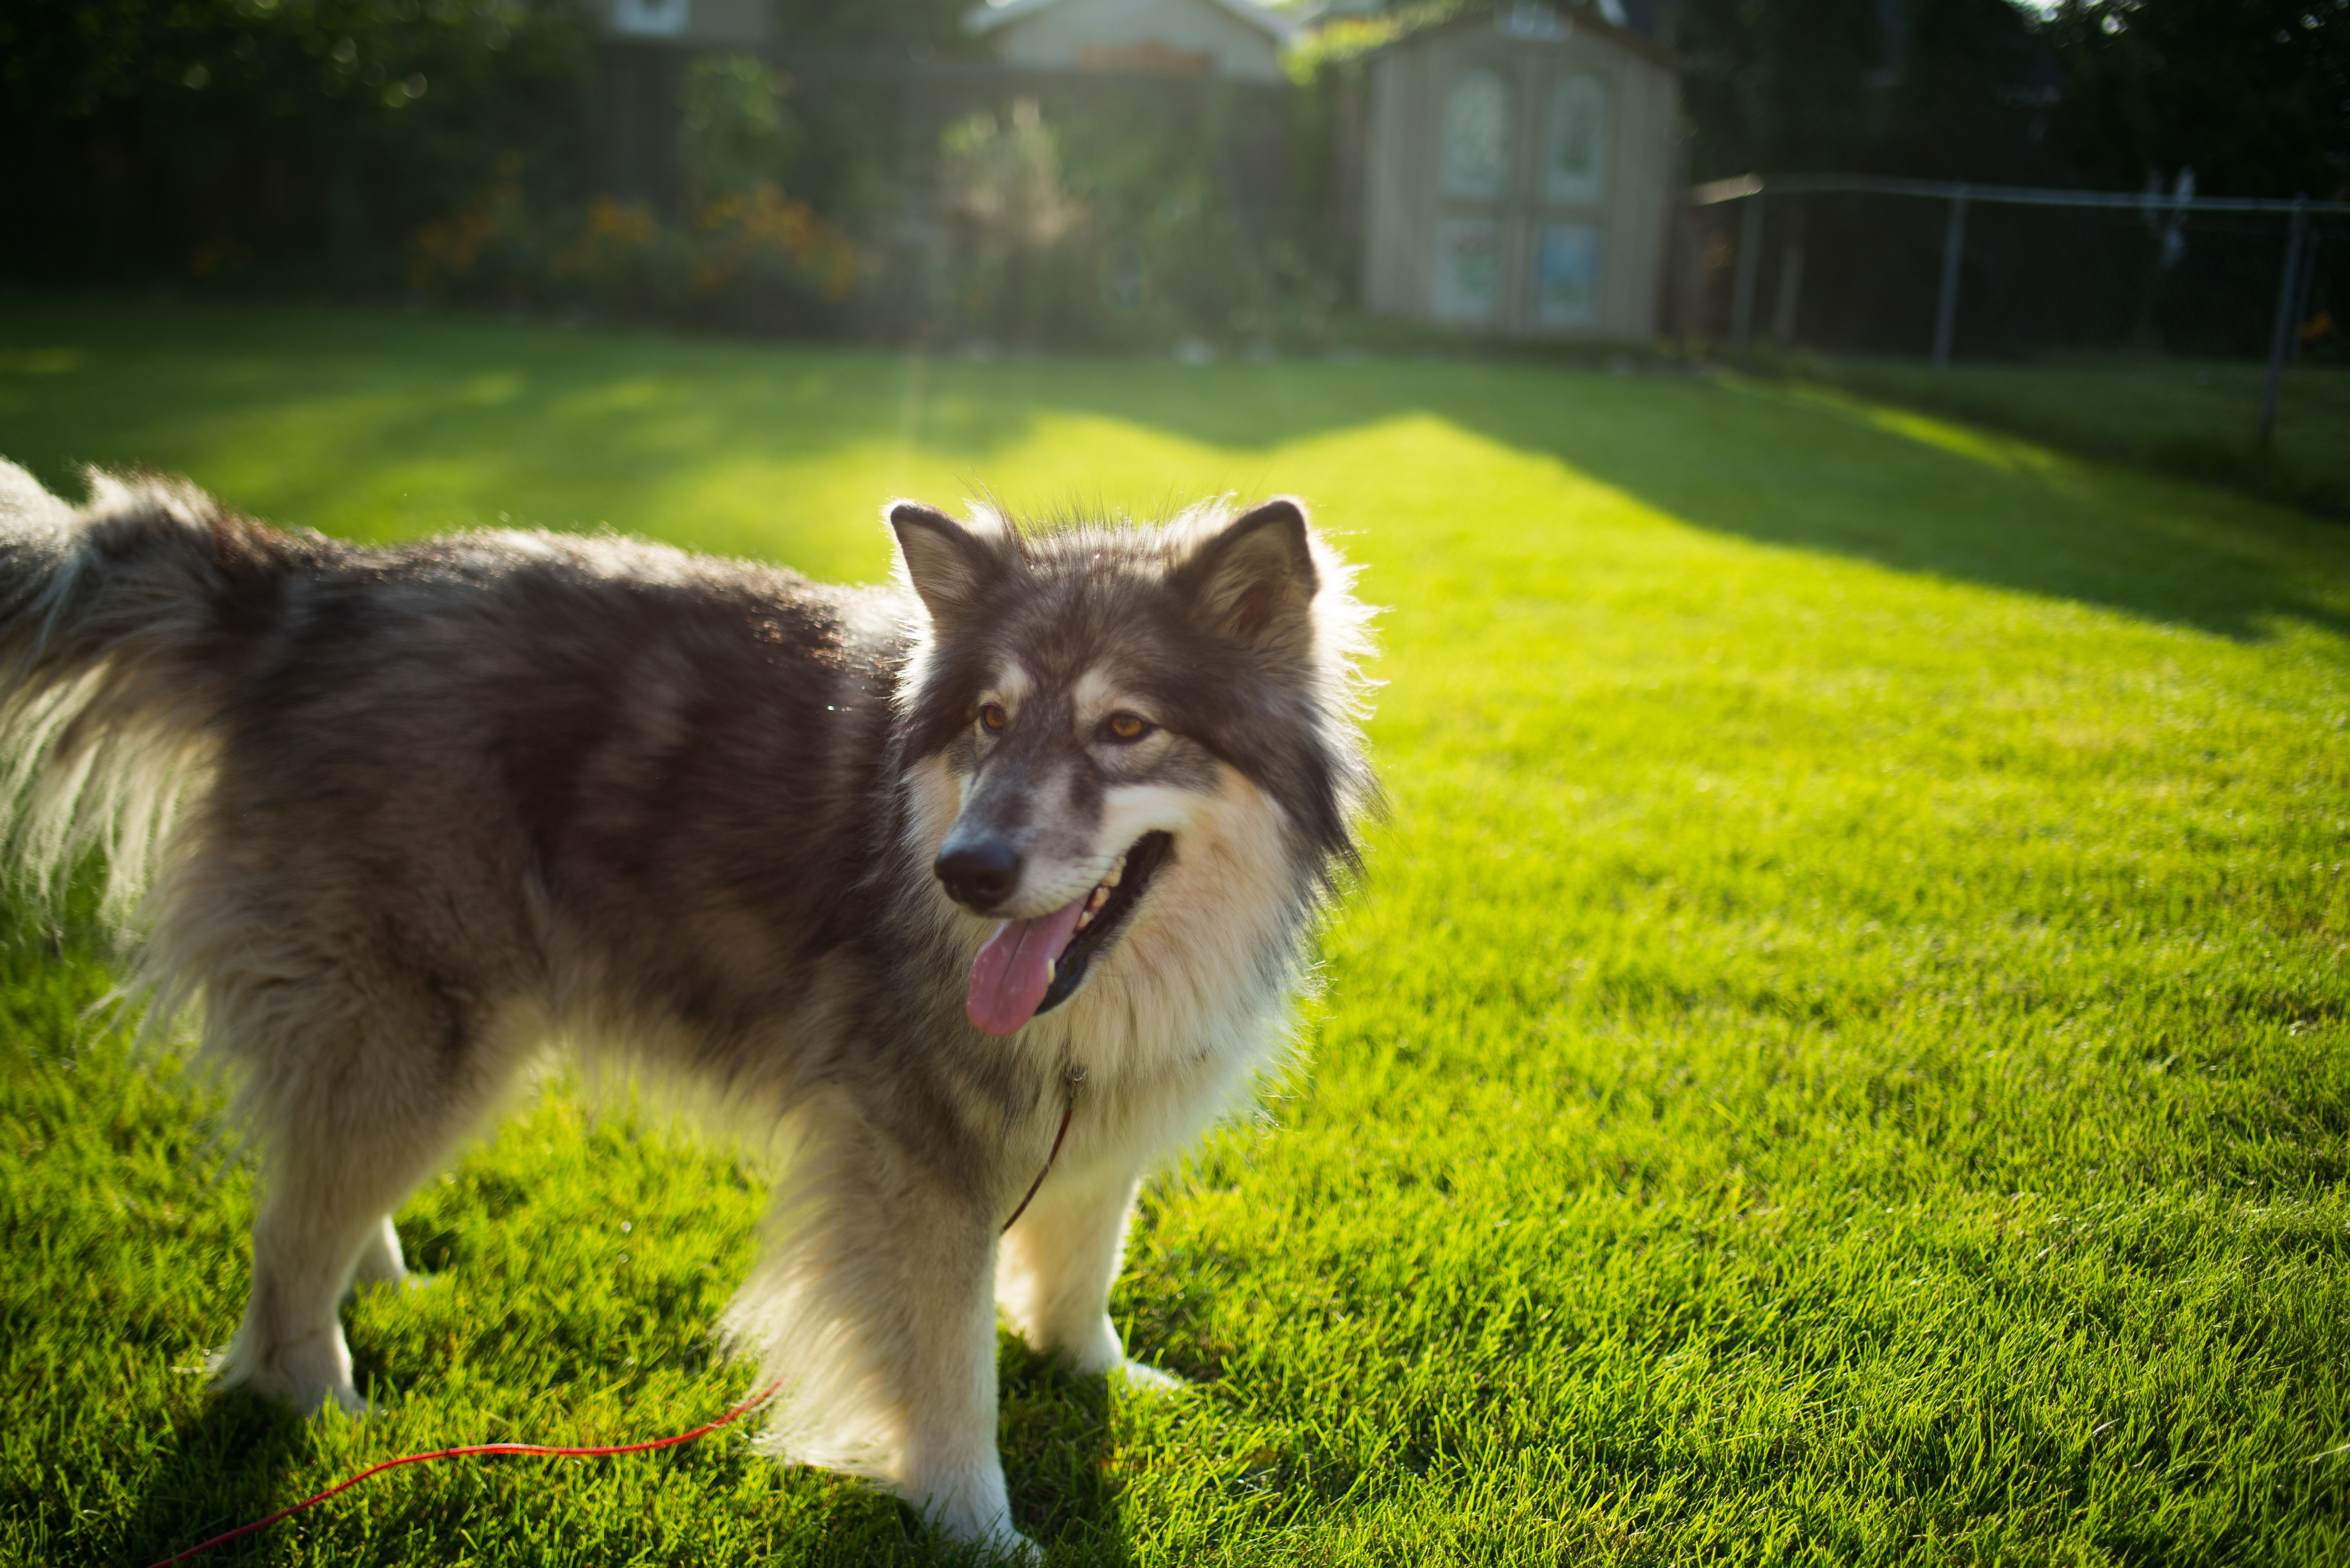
(1032, 965)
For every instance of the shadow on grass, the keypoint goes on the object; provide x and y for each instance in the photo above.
(1814, 470)
(227, 1468)
(224, 1466)
(298, 414)
(1059, 1455)
(220, 1469)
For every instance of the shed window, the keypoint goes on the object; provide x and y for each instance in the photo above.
(1476, 159)
(1566, 274)
(1468, 269)
(1575, 162)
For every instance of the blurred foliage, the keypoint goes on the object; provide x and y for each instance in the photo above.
(438, 150)
(737, 131)
(1351, 37)
(2253, 95)
(1105, 227)
(1934, 88)
(1002, 211)
(744, 254)
(1004, 181)
(203, 136)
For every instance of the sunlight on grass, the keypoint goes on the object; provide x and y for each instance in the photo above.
(1838, 1053)
(2148, 407)
(2006, 453)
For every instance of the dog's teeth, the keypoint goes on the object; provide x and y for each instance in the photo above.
(1100, 896)
(1116, 872)
(1086, 919)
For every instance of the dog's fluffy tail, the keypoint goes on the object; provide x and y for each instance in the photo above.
(124, 625)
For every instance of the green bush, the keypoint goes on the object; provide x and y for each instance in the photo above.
(738, 132)
(1099, 230)
(432, 148)
(742, 255)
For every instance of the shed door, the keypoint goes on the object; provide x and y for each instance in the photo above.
(1475, 159)
(1525, 153)
(1577, 121)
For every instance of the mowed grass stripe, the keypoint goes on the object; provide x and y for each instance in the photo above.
(1838, 1053)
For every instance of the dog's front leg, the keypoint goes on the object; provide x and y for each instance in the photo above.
(1054, 1269)
(382, 1262)
(873, 1305)
(944, 1323)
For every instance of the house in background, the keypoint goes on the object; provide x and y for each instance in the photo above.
(691, 24)
(1230, 40)
(1519, 172)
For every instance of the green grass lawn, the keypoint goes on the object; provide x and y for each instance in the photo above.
(1841, 1053)
(2197, 417)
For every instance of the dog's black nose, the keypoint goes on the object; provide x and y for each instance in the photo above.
(980, 875)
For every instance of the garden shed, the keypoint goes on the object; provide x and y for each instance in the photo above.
(1518, 174)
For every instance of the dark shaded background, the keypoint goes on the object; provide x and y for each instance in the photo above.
(495, 152)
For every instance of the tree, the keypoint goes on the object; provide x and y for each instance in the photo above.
(1936, 89)
(1969, 89)
(166, 136)
(2253, 95)
(1777, 84)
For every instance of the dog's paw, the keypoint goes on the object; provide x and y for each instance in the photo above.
(1138, 1377)
(993, 1540)
(303, 1379)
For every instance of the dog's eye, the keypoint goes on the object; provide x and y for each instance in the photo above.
(1128, 726)
(992, 716)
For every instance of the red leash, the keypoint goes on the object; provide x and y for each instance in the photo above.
(543, 1451)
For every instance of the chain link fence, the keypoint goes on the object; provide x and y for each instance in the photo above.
(1847, 264)
(2206, 336)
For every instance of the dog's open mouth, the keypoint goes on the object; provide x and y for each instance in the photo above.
(1033, 966)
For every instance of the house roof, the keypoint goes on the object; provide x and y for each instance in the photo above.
(997, 14)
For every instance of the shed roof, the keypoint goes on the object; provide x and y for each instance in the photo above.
(1536, 16)
(987, 18)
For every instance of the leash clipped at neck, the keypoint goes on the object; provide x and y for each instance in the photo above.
(1068, 1109)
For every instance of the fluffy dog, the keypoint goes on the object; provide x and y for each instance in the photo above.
(903, 873)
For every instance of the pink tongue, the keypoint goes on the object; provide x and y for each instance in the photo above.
(1013, 970)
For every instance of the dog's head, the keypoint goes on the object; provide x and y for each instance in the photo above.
(1101, 698)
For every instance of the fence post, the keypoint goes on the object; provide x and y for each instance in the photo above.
(2312, 245)
(1688, 253)
(1791, 291)
(1946, 308)
(1750, 260)
(2285, 324)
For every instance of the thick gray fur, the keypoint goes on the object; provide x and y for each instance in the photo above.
(394, 822)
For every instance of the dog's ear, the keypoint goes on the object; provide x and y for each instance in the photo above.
(947, 564)
(22, 500)
(1254, 580)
